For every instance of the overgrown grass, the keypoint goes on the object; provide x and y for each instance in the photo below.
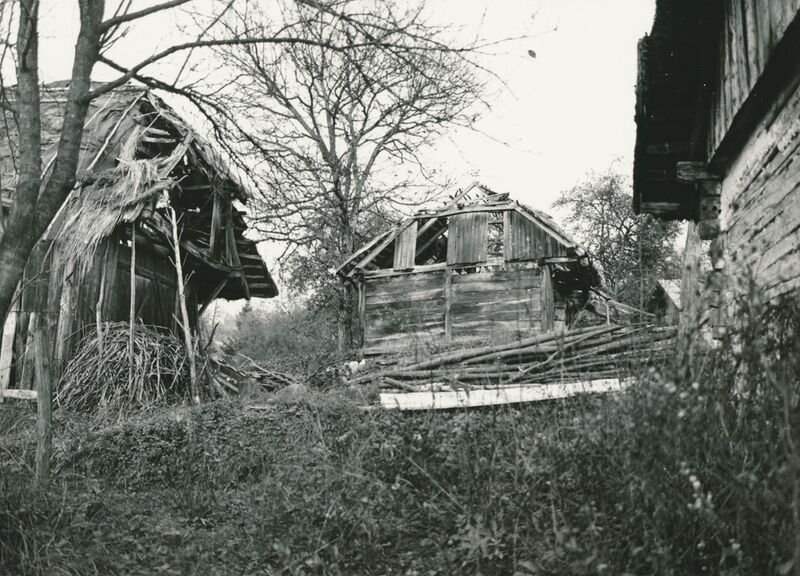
(692, 471)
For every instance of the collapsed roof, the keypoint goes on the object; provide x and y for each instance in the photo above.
(546, 236)
(136, 149)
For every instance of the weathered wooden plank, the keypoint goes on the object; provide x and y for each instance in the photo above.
(389, 297)
(407, 312)
(26, 361)
(405, 248)
(492, 309)
(741, 84)
(508, 323)
(448, 303)
(467, 210)
(400, 326)
(407, 305)
(753, 48)
(19, 394)
(547, 300)
(761, 200)
(390, 274)
(442, 400)
(403, 279)
(414, 292)
(497, 290)
(467, 238)
(499, 275)
(506, 295)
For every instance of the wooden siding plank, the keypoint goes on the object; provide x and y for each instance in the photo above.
(753, 49)
(467, 238)
(405, 248)
(389, 297)
(529, 241)
(546, 296)
(448, 304)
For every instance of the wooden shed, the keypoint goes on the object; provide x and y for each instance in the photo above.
(718, 132)
(482, 267)
(140, 165)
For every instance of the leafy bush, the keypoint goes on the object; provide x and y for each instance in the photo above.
(296, 341)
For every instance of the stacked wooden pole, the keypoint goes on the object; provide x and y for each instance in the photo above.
(584, 354)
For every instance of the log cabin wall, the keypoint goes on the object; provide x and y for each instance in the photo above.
(429, 308)
(405, 310)
(499, 302)
(727, 72)
(749, 33)
(754, 141)
(490, 269)
(760, 204)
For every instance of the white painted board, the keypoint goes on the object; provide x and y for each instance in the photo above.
(444, 399)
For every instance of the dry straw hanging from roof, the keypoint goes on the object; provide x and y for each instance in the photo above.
(115, 196)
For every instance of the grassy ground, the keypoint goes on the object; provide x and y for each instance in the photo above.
(694, 471)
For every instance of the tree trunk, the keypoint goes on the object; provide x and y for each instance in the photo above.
(33, 211)
(20, 234)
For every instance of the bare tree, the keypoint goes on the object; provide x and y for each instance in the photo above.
(37, 198)
(335, 136)
(41, 190)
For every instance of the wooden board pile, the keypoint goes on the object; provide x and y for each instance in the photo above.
(597, 352)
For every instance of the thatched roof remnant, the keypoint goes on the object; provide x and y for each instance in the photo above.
(137, 156)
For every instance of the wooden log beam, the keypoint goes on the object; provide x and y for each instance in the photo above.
(692, 172)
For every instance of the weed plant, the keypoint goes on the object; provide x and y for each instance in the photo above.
(693, 470)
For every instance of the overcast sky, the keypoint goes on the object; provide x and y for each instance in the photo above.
(568, 110)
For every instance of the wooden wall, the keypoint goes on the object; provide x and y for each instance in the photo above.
(72, 299)
(431, 308)
(403, 311)
(529, 241)
(761, 201)
(500, 301)
(750, 29)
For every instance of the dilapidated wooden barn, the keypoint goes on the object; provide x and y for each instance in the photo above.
(718, 134)
(482, 267)
(144, 177)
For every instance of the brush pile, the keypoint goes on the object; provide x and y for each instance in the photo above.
(228, 379)
(615, 351)
(96, 378)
